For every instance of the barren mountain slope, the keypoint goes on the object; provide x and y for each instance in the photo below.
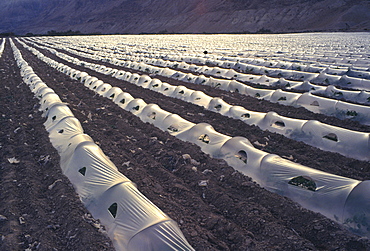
(211, 16)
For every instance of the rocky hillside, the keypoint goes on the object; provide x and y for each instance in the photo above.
(190, 16)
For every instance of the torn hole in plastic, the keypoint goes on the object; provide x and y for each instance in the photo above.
(204, 138)
(82, 171)
(304, 182)
(331, 136)
(172, 128)
(315, 103)
(152, 115)
(278, 124)
(218, 107)
(113, 209)
(242, 155)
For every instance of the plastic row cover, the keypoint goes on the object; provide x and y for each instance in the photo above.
(295, 72)
(2, 46)
(338, 198)
(346, 52)
(308, 63)
(316, 104)
(132, 221)
(237, 70)
(305, 65)
(280, 78)
(290, 79)
(349, 143)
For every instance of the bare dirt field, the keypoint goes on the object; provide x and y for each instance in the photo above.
(39, 209)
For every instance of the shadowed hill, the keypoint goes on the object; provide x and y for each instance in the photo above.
(191, 16)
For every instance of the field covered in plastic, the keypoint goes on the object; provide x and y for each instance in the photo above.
(185, 118)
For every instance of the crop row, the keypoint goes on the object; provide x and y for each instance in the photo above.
(238, 82)
(132, 221)
(347, 142)
(339, 198)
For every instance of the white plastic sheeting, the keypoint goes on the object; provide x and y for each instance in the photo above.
(206, 137)
(310, 187)
(334, 196)
(356, 209)
(131, 220)
(293, 78)
(294, 73)
(2, 46)
(291, 128)
(317, 104)
(273, 122)
(337, 138)
(153, 114)
(55, 114)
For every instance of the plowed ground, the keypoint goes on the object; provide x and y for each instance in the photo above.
(40, 210)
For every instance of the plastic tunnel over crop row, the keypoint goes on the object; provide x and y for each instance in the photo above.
(132, 221)
(349, 57)
(290, 78)
(314, 103)
(2, 45)
(317, 80)
(342, 199)
(347, 142)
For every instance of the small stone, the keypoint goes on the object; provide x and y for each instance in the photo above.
(260, 144)
(289, 157)
(207, 171)
(194, 168)
(2, 218)
(54, 183)
(127, 163)
(203, 183)
(194, 162)
(13, 160)
(21, 220)
(194, 233)
(186, 156)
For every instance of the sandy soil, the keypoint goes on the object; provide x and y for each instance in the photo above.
(40, 209)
